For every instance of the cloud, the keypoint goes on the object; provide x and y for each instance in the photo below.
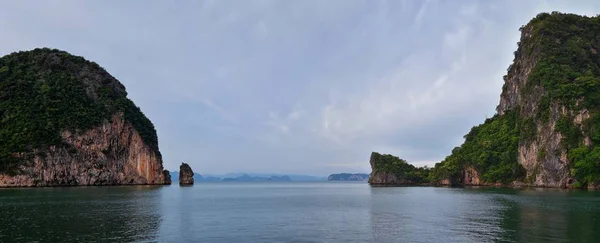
(346, 167)
(418, 19)
(226, 115)
(261, 31)
(469, 10)
(296, 86)
(277, 122)
(457, 38)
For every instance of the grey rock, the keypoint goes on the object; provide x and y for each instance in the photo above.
(186, 175)
(167, 176)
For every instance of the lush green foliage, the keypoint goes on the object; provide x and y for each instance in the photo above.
(566, 49)
(569, 71)
(44, 91)
(490, 148)
(586, 164)
(568, 62)
(400, 168)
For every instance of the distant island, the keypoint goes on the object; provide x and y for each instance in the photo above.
(546, 130)
(389, 170)
(348, 177)
(249, 177)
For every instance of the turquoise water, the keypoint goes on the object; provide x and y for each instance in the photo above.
(297, 212)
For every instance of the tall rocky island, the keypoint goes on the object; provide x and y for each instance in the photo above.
(186, 174)
(66, 121)
(546, 132)
(389, 170)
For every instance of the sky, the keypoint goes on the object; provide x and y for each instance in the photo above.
(293, 87)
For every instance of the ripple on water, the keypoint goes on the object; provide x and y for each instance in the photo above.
(297, 212)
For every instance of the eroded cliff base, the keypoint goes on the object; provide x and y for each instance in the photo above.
(110, 154)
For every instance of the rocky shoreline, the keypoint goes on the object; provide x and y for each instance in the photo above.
(491, 185)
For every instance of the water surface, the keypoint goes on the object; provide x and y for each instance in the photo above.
(297, 212)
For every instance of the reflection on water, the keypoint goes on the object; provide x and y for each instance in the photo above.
(550, 215)
(412, 214)
(427, 214)
(297, 212)
(107, 214)
(266, 212)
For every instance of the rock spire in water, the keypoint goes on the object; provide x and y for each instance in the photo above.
(186, 175)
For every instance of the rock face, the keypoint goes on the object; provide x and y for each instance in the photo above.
(548, 109)
(186, 175)
(470, 176)
(549, 168)
(545, 157)
(167, 176)
(387, 179)
(65, 121)
(388, 170)
(110, 154)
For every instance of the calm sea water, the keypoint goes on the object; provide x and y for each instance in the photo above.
(297, 212)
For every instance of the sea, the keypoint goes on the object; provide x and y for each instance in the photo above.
(297, 212)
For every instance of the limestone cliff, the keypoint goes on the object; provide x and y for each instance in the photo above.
(65, 121)
(186, 174)
(110, 154)
(167, 176)
(543, 157)
(547, 127)
(389, 170)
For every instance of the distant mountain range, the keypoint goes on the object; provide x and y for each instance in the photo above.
(244, 177)
(348, 177)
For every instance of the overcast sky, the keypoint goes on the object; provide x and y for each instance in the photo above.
(303, 87)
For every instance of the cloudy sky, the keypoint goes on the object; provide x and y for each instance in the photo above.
(307, 87)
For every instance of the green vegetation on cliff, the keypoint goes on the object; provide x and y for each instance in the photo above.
(490, 148)
(399, 168)
(45, 91)
(566, 73)
(569, 70)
